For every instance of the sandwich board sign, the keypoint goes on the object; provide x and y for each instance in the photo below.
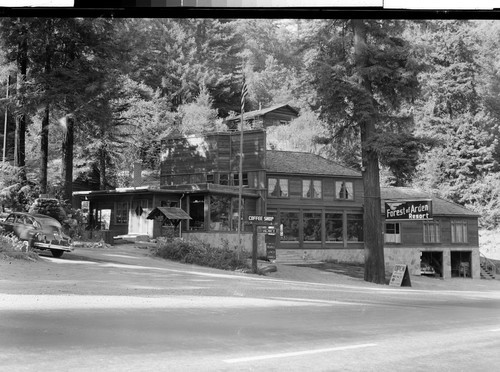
(400, 276)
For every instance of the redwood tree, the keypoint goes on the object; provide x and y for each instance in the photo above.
(364, 75)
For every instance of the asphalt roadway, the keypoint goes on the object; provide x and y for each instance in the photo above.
(119, 309)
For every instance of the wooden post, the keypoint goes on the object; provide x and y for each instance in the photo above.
(254, 248)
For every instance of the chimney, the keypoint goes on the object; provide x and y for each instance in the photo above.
(137, 180)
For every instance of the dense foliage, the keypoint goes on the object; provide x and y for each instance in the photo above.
(89, 97)
(202, 254)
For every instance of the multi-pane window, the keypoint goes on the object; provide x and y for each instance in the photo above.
(312, 226)
(392, 233)
(344, 190)
(223, 179)
(210, 178)
(236, 179)
(277, 187)
(290, 222)
(121, 213)
(458, 231)
(355, 227)
(432, 232)
(311, 189)
(334, 225)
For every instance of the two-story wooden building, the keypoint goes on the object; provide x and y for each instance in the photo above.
(317, 205)
(441, 236)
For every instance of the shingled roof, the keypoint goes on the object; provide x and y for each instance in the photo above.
(440, 207)
(257, 113)
(292, 162)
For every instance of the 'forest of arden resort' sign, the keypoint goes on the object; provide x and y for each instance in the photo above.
(409, 210)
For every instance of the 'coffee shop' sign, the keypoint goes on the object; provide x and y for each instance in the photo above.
(409, 210)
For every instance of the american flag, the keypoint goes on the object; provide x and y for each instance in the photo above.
(244, 93)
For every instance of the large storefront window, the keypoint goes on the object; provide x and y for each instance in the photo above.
(312, 227)
(235, 213)
(290, 222)
(220, 210)
(354, 227)
(334, 227)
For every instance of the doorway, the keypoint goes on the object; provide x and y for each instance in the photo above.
(461, 263)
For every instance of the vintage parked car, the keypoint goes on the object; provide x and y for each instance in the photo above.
(427, 269)
(39, 231)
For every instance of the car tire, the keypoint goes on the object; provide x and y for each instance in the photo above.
(56, 253)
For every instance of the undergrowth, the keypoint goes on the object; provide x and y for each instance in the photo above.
(200, 253)
(13, 248)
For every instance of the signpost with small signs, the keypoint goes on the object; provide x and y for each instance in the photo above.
(400, 276)
(263, 224)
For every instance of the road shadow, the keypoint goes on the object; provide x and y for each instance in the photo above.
(348, 269)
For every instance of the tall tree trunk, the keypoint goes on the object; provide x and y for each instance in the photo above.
(44, 149)
(102, 169)
(44, 138)
(374, 246)
(20, 133)
(67, 159)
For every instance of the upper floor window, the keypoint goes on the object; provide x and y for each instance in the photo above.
(458, 231)
(277, 187)
(223, 179)
(392, 233)
(344, 190)
(210, 178)
(311, 189)
(432, 232)
(236, 179)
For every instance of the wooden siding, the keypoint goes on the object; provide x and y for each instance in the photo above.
(194, 157)
(412, 233)
(328, 189)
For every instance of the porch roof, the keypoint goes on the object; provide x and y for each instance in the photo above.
(171, 213)
(202, 188)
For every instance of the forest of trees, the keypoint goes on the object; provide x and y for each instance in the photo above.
(84, 98)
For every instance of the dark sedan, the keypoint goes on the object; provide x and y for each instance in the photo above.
(40, 231)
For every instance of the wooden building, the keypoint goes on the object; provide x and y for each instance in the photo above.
(263, 118)
(445, 242)
(317, 206)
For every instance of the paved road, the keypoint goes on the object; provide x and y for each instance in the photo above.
(121, 310)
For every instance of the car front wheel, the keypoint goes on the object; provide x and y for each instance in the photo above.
(56, 253)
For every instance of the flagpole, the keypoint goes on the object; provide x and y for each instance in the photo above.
(240, 174)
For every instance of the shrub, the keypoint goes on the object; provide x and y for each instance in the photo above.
(12, 247)
(200, 253)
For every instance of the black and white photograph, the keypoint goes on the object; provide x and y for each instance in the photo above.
(220, 188)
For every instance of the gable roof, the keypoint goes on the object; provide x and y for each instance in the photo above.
(440, 206)
(256, 113)
(172, 213)
(294, 162)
